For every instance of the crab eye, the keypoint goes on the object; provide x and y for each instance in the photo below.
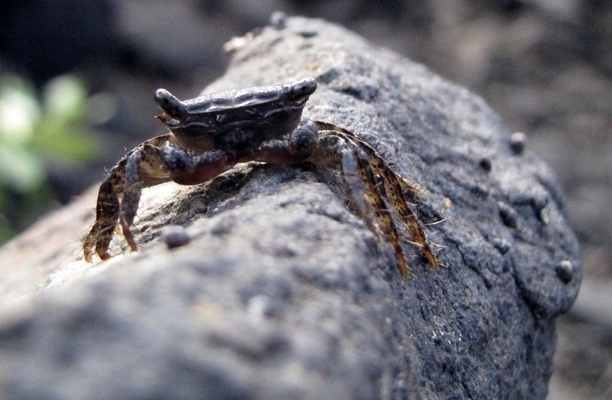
(169, 103)
(302, 89)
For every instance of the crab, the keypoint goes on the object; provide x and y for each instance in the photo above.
(211, 134)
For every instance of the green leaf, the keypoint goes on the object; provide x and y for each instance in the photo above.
(65, 98)
(19, 110)
(19, 168)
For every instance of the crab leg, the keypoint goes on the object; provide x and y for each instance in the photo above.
(377, 162)
(109, 204)
(139, 173)
(356, 174)
(150, 165)
(393, 187)
(385, 220)
(107, 214)
(355, 178)
(153, 162)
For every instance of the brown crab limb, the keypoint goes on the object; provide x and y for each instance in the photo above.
(145, 166)
(378, 164)
(111, 199)
(107, 213)
(151, 164)
(393, 188)
(131, 195)
(356, 185)
(357, 175)
(383, 216)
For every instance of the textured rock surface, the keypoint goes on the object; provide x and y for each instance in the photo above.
(283, 293)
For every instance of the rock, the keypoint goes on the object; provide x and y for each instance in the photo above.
(276, 290)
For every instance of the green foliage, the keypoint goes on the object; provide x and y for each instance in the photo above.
(34, 133)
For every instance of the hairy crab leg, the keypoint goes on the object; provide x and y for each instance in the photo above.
(355, 179)
(377, 162)
(107, 214)
(377, 203)
(144, 168)
(109, 205)
(356, 175)
(151, 165)
(153, 162)
(393, 186)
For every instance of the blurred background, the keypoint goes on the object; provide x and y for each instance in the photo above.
(77, 77)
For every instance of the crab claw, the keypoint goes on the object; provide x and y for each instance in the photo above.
(171, 106)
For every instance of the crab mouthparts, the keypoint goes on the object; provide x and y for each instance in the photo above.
(164, 117)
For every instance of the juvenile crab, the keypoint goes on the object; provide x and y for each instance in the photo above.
(210, 134)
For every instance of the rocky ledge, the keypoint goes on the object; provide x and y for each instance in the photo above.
(262, 284)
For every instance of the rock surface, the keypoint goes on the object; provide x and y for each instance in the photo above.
(281, 292)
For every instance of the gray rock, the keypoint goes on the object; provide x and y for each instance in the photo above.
(276, 290)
